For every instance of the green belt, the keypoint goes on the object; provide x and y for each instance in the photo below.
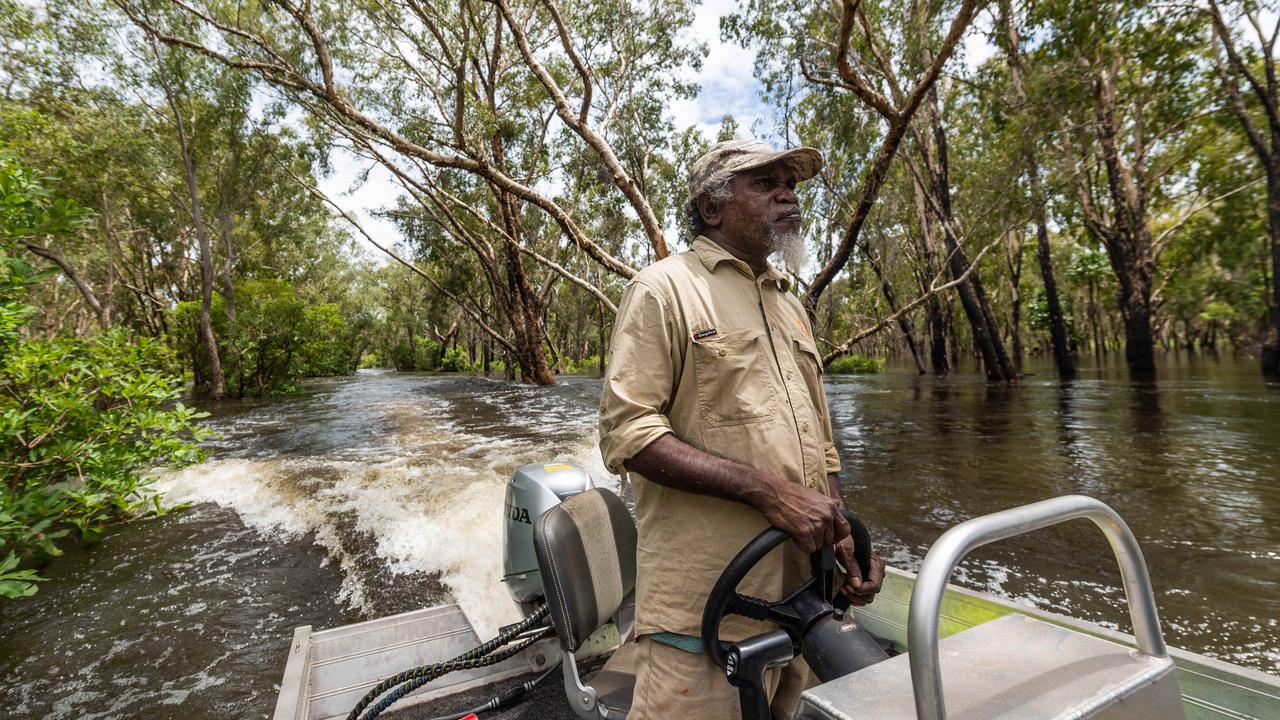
(687, 643)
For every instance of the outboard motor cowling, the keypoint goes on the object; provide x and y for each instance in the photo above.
(532, 490)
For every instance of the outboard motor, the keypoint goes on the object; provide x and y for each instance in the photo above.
(532, 490)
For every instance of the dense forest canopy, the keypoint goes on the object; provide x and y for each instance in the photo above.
(1105, 179)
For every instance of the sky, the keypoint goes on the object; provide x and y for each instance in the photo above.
(727, 84)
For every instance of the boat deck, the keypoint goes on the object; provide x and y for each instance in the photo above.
(1210, 689)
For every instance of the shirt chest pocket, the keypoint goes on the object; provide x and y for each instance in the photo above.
(734, 385)
(810, 366)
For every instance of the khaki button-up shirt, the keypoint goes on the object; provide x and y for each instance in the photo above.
(726, 361)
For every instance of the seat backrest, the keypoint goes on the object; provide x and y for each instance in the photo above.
(586, 548)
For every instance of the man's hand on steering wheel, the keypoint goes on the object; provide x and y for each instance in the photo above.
(812, 519)
(815, 520)
(858, 590)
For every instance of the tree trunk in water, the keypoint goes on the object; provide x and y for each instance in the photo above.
(934, 318)
(1127, 238)
(1135, 309)
(1095, 322)
(973, 298)
(1014, 258)
(904, 321)
(525, 310)
(217, 384)
(1271, 345)
(953, 337)
(1057, 323)
(937, 338)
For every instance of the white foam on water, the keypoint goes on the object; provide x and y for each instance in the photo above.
(246, 487)
(431, 503)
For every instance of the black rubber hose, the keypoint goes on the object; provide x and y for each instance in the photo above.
(444, 668)
(439, 669)
(511, 696)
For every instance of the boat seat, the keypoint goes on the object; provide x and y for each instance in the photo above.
(1012, 668)
(586, 549)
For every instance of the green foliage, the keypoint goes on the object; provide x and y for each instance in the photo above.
(81, 420)
(416, 355)
(15, 583)
(455, 360)
(274, 340)
(855, 365)
(1218, 311)
(1037, 313)
(29, 209)
(28, 212)
(588, 365)
(326, 347)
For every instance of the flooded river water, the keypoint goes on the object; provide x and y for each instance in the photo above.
(381, 493)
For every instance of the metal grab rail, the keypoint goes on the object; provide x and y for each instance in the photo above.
(950, 549)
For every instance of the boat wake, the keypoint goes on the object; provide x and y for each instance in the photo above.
(412, 515)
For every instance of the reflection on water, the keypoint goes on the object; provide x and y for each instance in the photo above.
(381, 493)
(1189, 461)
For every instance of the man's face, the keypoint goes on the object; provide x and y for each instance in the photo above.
(764, 208)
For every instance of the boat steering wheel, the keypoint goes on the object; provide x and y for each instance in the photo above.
(810, 625)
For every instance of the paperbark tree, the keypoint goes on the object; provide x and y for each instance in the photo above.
(217, 384)
(852, 75)
(1234, 68)
(1131, 122)
(1121, 224)
(1057, 323)
(931, 147)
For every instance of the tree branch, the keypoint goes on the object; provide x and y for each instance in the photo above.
(648, 220)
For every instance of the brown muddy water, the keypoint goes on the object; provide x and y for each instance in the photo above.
(381, 493)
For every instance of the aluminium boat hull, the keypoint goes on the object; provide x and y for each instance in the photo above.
(329, 670)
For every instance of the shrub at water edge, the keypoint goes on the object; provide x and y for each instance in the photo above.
(81, 419)
(855, 364)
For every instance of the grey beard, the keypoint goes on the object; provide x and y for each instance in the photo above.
(791, 247)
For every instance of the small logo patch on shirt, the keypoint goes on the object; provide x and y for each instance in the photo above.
(704, 333)
(804, 329)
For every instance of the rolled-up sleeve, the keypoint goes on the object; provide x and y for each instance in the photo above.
(639, 380)
(833, 460)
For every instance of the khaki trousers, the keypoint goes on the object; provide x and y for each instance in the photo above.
(672, 684)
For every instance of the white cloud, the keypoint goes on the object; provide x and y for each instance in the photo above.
(976, 46)
(726, 80)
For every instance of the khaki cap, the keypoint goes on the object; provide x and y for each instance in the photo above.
(738, 155)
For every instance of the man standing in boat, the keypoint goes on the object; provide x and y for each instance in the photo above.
(713, 401)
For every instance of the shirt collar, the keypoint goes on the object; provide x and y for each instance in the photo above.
(712, 255)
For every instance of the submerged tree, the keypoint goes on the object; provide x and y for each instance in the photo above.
(1008, 24)
(1234, 67)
